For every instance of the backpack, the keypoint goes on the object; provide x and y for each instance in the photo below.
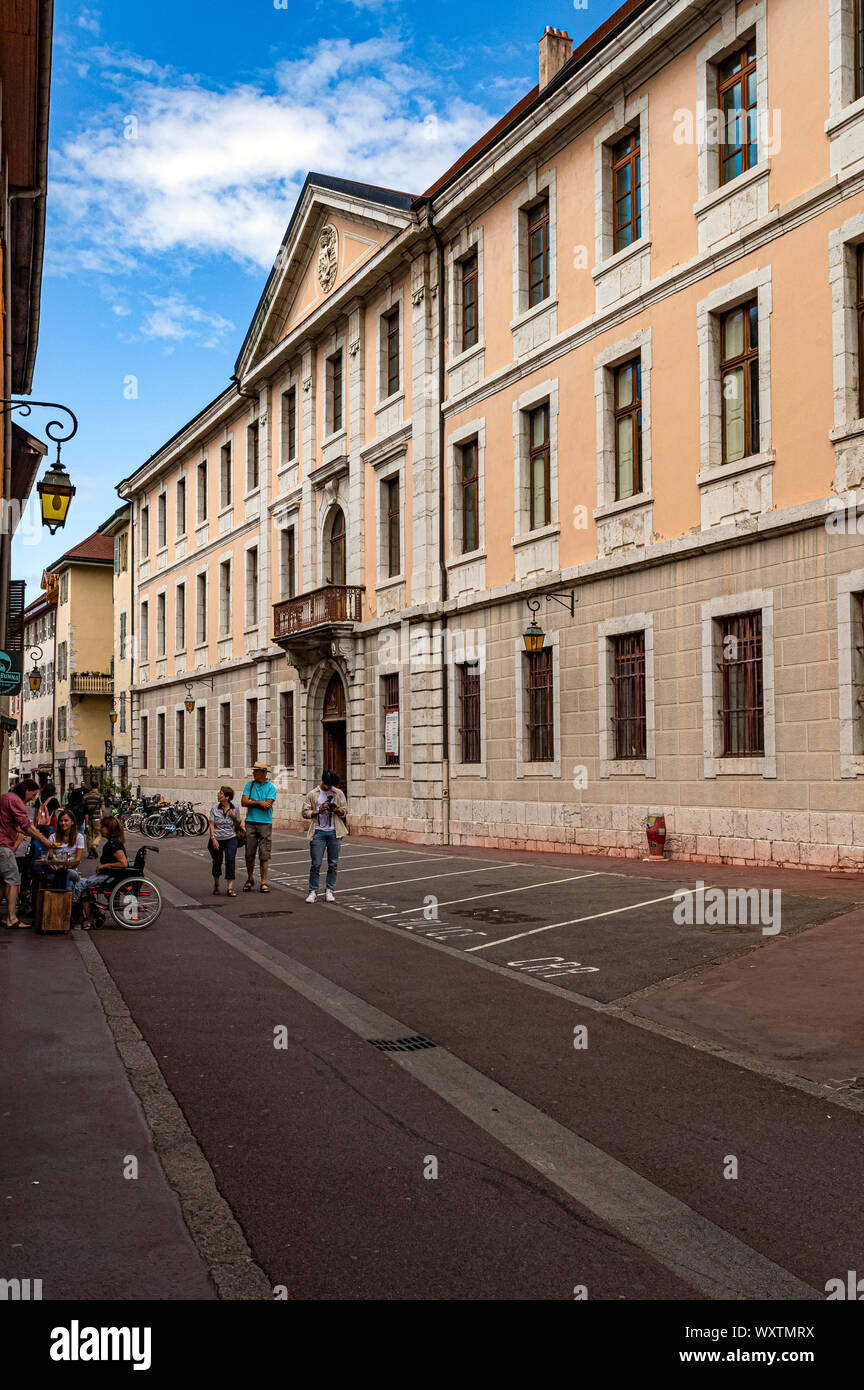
(44, 816)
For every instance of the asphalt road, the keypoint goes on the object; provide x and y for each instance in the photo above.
(529, 1144)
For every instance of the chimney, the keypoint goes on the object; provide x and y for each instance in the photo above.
(556, 46)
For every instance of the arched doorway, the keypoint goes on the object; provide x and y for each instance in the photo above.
(335, 728)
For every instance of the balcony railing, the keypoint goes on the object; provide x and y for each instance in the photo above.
(337, 603)
(92, 685)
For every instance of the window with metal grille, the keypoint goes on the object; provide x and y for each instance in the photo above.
(539, 467)
(540, 707)
(201, 738)
(145, 738)
(742, 711)
(736, 97)
(225, 735)
(627, 190)
(286, 720)
(628, 429)
(628, 695)
(390, 353)
(252, 730)
(469, 712)
(252, 456)
(289, 424)
(739, 381)
(334, 381)
(468, 271)
(859, 311)
(538, 252)
(390, 696)
(160, 740)
(180, 739)
(390, 508)
(470, 501)
(859, 49)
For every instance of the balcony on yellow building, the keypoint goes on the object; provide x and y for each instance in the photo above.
(88, 684)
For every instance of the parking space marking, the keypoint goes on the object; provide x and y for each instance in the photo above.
(407, 865)
(499, 893)
(575, 921)
(424, 878)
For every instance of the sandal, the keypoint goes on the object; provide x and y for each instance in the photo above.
(248, 886)
(264, 889)
(12, 924)
(216, 889)
(230, 893)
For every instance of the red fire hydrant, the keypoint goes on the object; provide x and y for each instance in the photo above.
(656, 832)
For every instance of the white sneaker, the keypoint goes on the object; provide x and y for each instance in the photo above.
(312, 898)
(328, 897)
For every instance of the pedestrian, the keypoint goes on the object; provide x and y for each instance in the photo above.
(15, 826)
(258, 797)
(94, 805)
(224, 839)
(113, 857)
(326, 810)
(75, 802)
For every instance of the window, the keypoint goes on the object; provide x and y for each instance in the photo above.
(335, 393)
(540, 707)
(390, 353)
(62, 664)
(161, 521)
(743, 704)
(252, 457)
(181, 506)
(286, 726)
(116, 558)
(469, 269)
(180, 739)
(252, 730)
(49, 734)
(469, 711)
(201, 738)
(160, 626)
(225, 478)
(336, 546)
(201, 492)
(736, 97)
(64, 587)
(225, 597)
(859, 311)
(124, 551)
(628, 429)
(289, 425)
(160, 741)
(627, 190)
(200, 609)
(288, 562)
(538, 469)
(390, 509)
(628, 695)
(859, 49)
(470, 508)
(145, 741)
(42, 735)
(123, 621)
(225, 735)
(62, 727)
(390, 695)
(538, 252)
(143, 536)
(739, 380)
(252, 586)
(122, 712)
(180, 618)
(144, 641)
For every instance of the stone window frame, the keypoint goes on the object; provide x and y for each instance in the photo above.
(227, 631)
(844, 105)
(328, 500)
(162, 514)
(544, 392)
(339, 343)
(253, 424)
(202, 570)
(457, 767)
(524, 767)
(143, 533)
(161, 712)
(843, 244)
(200, 771)
(713, 762)
(395, 772)
(638, 344)
(850, 674)
(289, 519)
(293, 383)
(178, 770)
(224, 769)
(388, 468)
(610, 766)
(467, 243)
(203, 462)
(628, 115)
(288, 688)
(709, 313)
(248, 697)
(144, 631)
(394, 299)
(735, 27)
(143, 736)
(472, 429)
(253, 544)
(538, 185)
(181, 478)
(226, 506)
(181, 584)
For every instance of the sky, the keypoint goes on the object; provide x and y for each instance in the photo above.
(181, 133)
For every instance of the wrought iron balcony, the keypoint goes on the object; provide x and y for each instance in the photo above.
(334, 604)
(92, 685)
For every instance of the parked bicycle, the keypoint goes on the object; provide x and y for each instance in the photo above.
(178, 819)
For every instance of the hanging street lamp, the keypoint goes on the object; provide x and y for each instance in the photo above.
(533, 637)
(55, 490)
(189, 702)
(113, 716)
(35, 677)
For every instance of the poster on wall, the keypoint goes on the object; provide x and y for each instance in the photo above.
(391, 732)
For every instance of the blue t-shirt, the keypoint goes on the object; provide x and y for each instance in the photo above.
(259, 791)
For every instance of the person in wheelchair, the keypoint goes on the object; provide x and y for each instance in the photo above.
(112, 859)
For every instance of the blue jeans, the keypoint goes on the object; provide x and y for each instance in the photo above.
(321, 840)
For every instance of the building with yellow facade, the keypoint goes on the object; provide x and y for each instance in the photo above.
(84, 650)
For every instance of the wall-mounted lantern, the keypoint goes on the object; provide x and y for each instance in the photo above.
(533, 637)
(189, 702)
(55, 490)
(35, 677)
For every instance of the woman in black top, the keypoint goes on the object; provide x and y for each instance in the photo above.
(113, 857)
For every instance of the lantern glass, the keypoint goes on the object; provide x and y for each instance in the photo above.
(533, 637)
(190, 704)
(55, 492)
(35, 679)
(113, 716)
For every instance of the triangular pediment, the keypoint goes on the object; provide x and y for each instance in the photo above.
(337, 226)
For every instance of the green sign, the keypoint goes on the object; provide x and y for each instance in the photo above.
(10, 673)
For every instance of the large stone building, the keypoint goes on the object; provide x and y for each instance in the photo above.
(609, 365)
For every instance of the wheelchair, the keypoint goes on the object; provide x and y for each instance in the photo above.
(131, 900)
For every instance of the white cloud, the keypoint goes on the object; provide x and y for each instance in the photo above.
(90, 20)
(217, 171)
(172, 318)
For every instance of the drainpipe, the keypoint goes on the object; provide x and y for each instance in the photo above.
(442, 543)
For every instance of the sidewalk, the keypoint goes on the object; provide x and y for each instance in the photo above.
(71, 1127)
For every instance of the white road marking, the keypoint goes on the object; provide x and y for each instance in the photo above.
(407, 865)
(425, 878)
(613, 912)
(500, 893)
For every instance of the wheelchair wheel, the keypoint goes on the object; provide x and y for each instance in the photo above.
(134, 903)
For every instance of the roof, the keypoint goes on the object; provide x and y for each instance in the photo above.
(96, 549)
(117, 521)
(37, 608)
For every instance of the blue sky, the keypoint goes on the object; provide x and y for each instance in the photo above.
(181, 132)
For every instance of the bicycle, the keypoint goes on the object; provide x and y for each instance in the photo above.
(179, 819)
(132, 901)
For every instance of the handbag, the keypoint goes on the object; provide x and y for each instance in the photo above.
(239, 829)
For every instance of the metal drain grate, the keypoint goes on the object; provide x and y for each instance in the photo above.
(414, 1044)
